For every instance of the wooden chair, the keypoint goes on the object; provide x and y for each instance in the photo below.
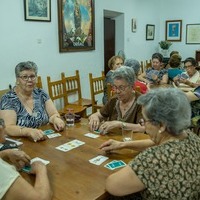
(73, 87)
(148, 64)
(39, 82)
(96, 88)
(57, 91)
(141, 68)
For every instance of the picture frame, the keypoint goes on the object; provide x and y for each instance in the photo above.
(150, 31)
(134, 25)
(76, 25)
(193, 34)
(173, 30)
(39, 10)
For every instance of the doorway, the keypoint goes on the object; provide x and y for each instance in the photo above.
(113, 35)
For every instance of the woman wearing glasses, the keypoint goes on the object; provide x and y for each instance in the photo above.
(25, 108)
(121, 111)
(168, 166)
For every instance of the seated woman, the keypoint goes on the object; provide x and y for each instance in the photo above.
(25, 108)
(121, 110)
(135, 65)
(114, 63)
(156, 74)
(174, 66)
(168, 166)
(13, 186)
(191, 78)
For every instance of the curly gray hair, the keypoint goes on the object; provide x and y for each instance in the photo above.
(25, 66)
(169, 106)
(125, 73)
(134, 64)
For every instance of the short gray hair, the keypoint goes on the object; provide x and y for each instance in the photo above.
(25, 66)
(134, 64)
(169, 106)
(125, 73)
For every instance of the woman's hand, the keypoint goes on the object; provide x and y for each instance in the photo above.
(58, 124)
(111, 145)
(37, 166)
(17, 158)
(35, 134)
(94, 122)
(109, 125)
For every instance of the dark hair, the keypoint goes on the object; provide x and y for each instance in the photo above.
(112, 60)
(173, 52)
(157, 56)
(175, 61)
(191, 60)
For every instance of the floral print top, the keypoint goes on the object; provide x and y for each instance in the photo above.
(170, 170)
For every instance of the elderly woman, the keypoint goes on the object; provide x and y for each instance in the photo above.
(156, 74)
(13, 186)
(25, 108)
(135, 65)
(114, 63)
(168, 166)
(191, 78)
(122, 110)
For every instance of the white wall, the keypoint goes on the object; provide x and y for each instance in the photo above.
(19, 38)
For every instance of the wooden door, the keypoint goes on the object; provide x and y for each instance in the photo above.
(109, 41)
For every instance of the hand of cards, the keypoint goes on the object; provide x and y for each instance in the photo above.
(197, 91)
(182, 76)
(150, 75)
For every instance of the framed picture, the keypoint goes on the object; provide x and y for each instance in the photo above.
(76, 25)
(173, 30)
(39, 10)
(134, 25)
(193, 34)
(150, 32)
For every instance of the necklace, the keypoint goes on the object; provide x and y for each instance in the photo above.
(126, 106)
(26, 105)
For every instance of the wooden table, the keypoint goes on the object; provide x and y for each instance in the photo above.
(71, 175)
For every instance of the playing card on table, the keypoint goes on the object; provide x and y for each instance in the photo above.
(115, 164)
(53, 135)
(46, 162)
(91, 135)
(70, 145)
(49, 131)
(98, 160)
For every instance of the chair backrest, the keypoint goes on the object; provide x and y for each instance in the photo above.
(2, 92)
(148, 64)
(96, 85)
(39, 82)
(73, 85)
(57, 90)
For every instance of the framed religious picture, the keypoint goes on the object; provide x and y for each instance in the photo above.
(173, 30)
(39, 10)
(76, 25)
(193, 34)
(150, 32)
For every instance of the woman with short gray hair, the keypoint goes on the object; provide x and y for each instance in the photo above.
(138, 85)
(168, 166)
(121, 111)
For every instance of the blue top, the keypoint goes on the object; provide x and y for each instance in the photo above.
(173, 72)
(39, 116)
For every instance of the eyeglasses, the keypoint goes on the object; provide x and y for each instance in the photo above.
(121, 88)
(26, 78)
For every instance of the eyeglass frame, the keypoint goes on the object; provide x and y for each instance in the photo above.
(26, 78)
(115, 88)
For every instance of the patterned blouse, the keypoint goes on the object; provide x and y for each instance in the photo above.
(39, 117)
(159, 73)
(170, 170)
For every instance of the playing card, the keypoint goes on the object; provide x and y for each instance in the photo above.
(49, 131)
(53, 135)
(98, 160)
(115, 164)
(70, 145)
(18, 143)
(197, 91)
(183, 76)
(46, 162)
(91, 135)
(26, 169)
(97, 131)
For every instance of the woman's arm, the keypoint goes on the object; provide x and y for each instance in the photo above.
(124, 182)
(21, 189)
(142, 77)
(12, 129)
(164, 79)
(54, 116)
(94, 121)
